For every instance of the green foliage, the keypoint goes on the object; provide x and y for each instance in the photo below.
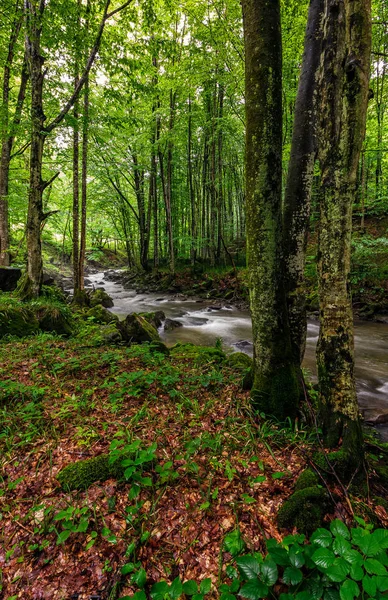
(16, 318)
(335, 564)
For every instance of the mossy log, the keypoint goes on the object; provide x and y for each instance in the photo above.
(82, 474)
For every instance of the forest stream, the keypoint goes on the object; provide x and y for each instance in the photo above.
(203, 322)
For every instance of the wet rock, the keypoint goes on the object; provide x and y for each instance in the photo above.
(99, 296)
(171, 324)
(9, 277)
(378, 420)
(87, 281)
(136, 328)
(155, 318)
(244, 345)
(159, 299)
(215, 307)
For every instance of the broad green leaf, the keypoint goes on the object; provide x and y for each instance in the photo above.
(234, 543)
(254, 589)
(337, 527)
(63, 536)
(349, 590)
(356, 572)
(369, 585)
(338, 571)
(190, 587)
(296, 556)
(323, 558)
(353, 557)
(340, 545)
(139, 578)
(205, 586)
(279, 555)
(381, 583)
(248, 566)
(322, 537)
(369, 545)
(227, 596)
(374, 567)
(159, 590)
(302, 596)
(331, 594)
(381, 535)
(127, 568)
(269, 572)
(292, 576)
(298, 538)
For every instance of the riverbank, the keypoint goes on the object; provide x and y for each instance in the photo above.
(207, 477)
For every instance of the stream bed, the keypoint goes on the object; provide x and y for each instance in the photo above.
(204, 321)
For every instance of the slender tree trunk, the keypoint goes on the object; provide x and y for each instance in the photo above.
(275, 387)
(76, 257)
(297, 201)
(220, 188)
(344, 99)
(193, 220)
(169, 190)
(7, 136)
(84, 174)
(34, 11)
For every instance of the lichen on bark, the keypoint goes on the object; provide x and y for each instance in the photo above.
(275, 387)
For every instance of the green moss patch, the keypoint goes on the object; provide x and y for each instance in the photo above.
(16, 318)
(99, 314)
(304, 510)
(200, 354)
(82, 474)
(306, 479)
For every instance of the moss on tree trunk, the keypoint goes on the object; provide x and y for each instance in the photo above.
(275, 388)
(344, 97)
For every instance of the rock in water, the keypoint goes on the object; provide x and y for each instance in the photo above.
(9, 277)
(170, 324)
(136, 328)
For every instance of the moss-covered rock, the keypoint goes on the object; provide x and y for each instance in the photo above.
(136, 329)
(154, 318)
(200, 354)
(101, 297)
(53, 316)
(343, 465)
(305, 510)
(82, 474)
(16, 318)
(159, 347)
(99, 314)
(306, 479)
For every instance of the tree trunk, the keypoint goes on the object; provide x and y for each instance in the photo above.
(76, 264)
(193, 220)
(344, 98)
(296, 209)
(7, 135)
(275, 388)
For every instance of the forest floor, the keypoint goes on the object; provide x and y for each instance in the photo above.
(207, 467)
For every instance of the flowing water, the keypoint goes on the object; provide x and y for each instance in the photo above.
(203, 322)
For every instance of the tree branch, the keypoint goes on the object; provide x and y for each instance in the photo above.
(45, 184)
(59, 118)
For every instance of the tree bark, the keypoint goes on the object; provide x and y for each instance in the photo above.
(344, 99)
(8, 133)
(34, 10)
(297, 201)
(275, 388)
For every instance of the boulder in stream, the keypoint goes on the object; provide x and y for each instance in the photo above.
(170, 324)
(99, 296)
(135, 328)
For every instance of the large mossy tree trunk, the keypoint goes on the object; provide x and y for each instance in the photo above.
(344, 98)
(275, 387)
(297, 200)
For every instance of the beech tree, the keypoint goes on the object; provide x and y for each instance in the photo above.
(34, 14)
(297, 200)
(276, 371)
(344, 92)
